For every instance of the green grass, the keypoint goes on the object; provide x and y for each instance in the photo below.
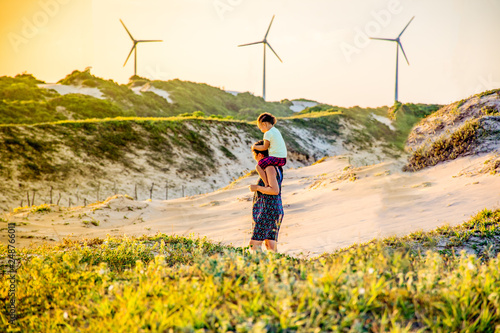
(406, 116)
(485, 226)
(165, 282)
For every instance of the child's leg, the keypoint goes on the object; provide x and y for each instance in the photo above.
(262, 174)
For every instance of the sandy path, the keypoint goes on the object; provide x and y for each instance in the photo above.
(324, 210)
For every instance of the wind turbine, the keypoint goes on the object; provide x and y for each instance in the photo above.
(134, 47)
(398, 45)
(266, 43)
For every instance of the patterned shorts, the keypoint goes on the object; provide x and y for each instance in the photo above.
(266, 229)
(271, 160)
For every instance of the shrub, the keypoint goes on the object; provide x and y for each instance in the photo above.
(458, 144)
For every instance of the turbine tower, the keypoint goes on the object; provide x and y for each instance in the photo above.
(134, 47)
(398, 45)
(266, 43)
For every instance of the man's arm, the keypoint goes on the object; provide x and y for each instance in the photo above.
(265, 146)
(273, 188)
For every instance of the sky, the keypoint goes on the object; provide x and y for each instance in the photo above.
(452, 45)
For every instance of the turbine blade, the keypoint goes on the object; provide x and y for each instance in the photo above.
(406, 26)
(146, 41)
(133, 47)
(251, 43)
(401, 46)
(127, 30)
(274, 51)
(387, 39)
(267, 33)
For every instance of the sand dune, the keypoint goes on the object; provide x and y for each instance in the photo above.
(327, 206)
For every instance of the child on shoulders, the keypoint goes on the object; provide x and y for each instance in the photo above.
(273, 141)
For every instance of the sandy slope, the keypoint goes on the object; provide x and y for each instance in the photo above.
(325, 208)
(63, 89)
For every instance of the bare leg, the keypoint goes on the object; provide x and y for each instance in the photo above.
(262, 174)
(271, 245)
(255, 246)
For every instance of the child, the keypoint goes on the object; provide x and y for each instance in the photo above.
(273, 141)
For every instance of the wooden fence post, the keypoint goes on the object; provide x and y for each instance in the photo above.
(77, 195)
(151, 191)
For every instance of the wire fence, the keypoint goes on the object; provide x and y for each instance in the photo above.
(166, 191)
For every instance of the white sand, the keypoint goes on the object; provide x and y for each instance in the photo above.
(384, 120)
(148, 87)
(234, 93)
(324, 210)
(301, 105)
(65, 89)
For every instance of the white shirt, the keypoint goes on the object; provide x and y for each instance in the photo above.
(277, 147)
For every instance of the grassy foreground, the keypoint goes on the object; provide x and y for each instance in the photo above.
(162, 282)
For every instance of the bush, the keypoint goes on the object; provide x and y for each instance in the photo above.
(458, 144)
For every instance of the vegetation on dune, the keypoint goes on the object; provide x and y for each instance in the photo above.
(100, 140)
(190, 96)
(365, 129)
(22, 87)
(406, 116)
(460, 142)
(322, 124)
(23, 102)
(194, 100)
(478, 236)
(130, 103)
(465, 127)
(167, 282)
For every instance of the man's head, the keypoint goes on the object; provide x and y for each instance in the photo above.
(260, 154)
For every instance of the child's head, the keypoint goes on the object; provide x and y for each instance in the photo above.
(265, 121)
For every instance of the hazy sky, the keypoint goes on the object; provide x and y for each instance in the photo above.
(453, 45)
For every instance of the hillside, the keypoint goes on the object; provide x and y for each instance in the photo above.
(464, 128)
(27, 100)
(186, 138)
(92, 159)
